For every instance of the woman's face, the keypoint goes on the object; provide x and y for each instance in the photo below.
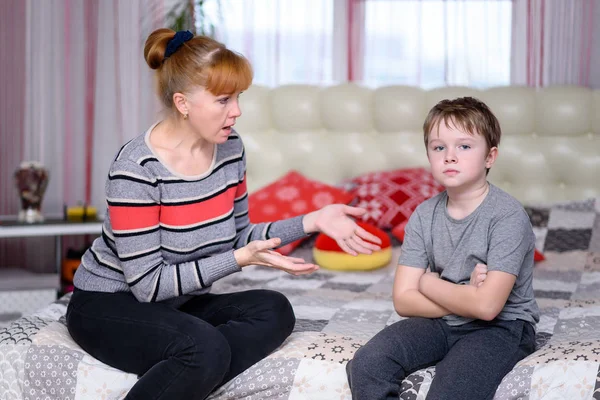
(210, 116)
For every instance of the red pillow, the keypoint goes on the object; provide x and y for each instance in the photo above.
(398, 232)
(290, 196)
(390, 197)
(538, 256)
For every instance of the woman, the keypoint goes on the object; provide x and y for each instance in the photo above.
(177, 221)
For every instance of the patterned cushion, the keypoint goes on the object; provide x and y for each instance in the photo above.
(290, 196)
(390, 197)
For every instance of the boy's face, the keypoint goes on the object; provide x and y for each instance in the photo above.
(458, 160)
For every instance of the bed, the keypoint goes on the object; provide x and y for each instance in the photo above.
(549, 159)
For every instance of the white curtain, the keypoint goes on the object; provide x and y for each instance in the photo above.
(554, 42)
(125, 99)
(374, 42)
(431, 43)
(287, 41)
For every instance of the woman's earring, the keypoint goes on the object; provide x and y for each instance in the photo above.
(185, 116)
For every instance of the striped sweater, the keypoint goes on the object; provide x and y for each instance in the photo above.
(166, 235)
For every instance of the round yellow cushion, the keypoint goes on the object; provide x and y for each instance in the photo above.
(327, 254)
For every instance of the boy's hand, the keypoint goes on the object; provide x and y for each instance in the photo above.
(478, 275)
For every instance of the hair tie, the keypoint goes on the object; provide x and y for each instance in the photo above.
(174, 44)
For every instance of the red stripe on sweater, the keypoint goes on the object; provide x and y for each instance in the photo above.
(124, 218)
(241, 188)
(190, 214)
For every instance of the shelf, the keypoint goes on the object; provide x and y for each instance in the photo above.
(14, 279)
(51, 227)
(21, 279)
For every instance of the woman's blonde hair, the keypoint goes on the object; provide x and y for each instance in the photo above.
(200, 61)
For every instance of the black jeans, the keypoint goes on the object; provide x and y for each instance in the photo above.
(470, 359)
(180, 353)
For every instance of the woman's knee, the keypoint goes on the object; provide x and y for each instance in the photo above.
(280, 310)
(272, 306)
(203, 347)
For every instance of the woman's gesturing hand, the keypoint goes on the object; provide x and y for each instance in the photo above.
(259, 252)
(335, 221)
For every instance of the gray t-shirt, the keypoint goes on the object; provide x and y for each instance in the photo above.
(498, 233)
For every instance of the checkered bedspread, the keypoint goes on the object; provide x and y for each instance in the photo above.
(336, 313)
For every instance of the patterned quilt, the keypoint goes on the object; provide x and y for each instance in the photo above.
(336, 313)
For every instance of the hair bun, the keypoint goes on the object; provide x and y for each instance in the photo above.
(156, 44)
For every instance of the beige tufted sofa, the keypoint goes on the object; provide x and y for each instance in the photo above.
(550, 148)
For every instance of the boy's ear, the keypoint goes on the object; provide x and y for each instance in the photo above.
(491, 157)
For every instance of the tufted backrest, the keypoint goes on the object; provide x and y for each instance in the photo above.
(550, 147)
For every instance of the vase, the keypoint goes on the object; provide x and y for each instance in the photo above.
(31, 179)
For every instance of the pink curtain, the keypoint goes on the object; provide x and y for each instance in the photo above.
(12, 107)
(595, 72)
(75, 88)
(12, 98)
(356, 40)
(553, 42)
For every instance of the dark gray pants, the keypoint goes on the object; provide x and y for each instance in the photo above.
(470, 359)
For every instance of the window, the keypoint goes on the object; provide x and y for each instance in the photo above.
(434, 43)
(426, 43)
(287, 41)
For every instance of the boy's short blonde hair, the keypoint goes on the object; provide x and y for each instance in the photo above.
(469, 114)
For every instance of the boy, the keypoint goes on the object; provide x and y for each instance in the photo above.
(472, 314)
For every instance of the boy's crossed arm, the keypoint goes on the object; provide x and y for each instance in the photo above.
(408, 299)
(484, 302)
(418, 293)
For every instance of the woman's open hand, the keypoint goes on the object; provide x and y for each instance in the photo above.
(335, 221)
(259, 252)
